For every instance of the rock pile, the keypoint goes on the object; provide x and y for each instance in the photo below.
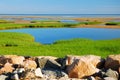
(89, 67)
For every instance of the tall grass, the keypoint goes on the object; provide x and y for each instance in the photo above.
(23, 44)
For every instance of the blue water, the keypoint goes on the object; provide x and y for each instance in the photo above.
(69, 21)
(50, 35)
(65, 15)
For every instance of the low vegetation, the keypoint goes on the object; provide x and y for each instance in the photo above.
(6, 21)
(44, 21)
(23, 44)
(37, 25)
(5, 24)
(90, 23)
(112, 23)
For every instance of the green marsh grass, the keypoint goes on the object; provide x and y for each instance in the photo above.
(90, 23)
(6, 21)
(44, 21)
(112, 23)
(36, 25)
(23, 44)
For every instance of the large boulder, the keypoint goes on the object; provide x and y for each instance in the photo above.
(15, 59)
(81, 68)
(97, 61)
(47, 62)
(113, 62)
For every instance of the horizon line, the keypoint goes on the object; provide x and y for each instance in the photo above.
(52, 14)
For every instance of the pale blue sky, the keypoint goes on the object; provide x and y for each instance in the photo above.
(59, 6)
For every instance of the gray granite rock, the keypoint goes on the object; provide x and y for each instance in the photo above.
(112, 73)
(38, 73)
(15, 77)
(3, 77)
(50, 74)
(19, 70)
(48, 63)
(110, 78)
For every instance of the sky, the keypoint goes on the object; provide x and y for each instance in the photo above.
(59, 6)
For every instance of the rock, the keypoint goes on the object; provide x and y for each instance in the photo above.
(97, 61)
(15, 59)
(119, 70)
(75, 79)
(64, 76)
(53, 74)
(28, 75)
(112, 73)
(38, 73)
(90, 67)
(4, 60)
(19, 70)
(110, 78)
(100, 75)
(47, 62)
(81, 68)
(98, 78)
(29, 64)
(113, 62)
(91, 78)
(3, 77)
(7, 68)
(62, 62)
(48, 74)
(15, 77)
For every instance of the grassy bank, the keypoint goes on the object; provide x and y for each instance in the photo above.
(23, 44)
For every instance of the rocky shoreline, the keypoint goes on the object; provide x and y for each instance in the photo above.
(88, 67)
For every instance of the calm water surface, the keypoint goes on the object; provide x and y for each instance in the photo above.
(65, 15)
(50, 35)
